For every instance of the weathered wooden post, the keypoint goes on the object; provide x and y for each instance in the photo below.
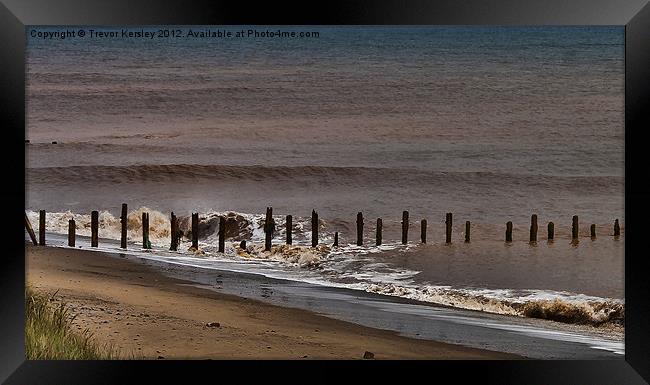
(448, 223)
(593, 231)
(314, 228)
(123, 220)
(617, 228)
(94, 228)
(574, 228)
(509, 231)
(174, 232)
(145, 231)
(423, 231)
(177, 233)
(551, 231)
(289, 228)
(336, 239)
(222, 234)
(30, 230)
(41, 227)
(195, 231)
(71, 232)
(405, 227)
(533, 228)
(269, 226)
(378, 232)
(359, 229)
(467, 227)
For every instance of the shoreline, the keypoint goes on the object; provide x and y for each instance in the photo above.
(144, 312)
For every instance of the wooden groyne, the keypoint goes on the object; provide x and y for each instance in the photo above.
(123, 222)
(509, 231)
(72, 227)
(145, 231)
(94, 229)
(423, 231)
(448, 223)
(195, 231)
(289, 228)
(314, 228)
(173, 221)
(270, 226)
(41, 227)
(359, 229)
(533, 228)
(405, 227)
(378, 236)
(222, 235)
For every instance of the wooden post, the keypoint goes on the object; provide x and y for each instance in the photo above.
(551, 231)
(71, 232)
(289, 228)
(593, 231)
(174, 232)
(359, 229)
(448, 222)
(145, 231)
(123, 219)
(509, 231)
(94, 228)
(423, 231)
(268, 229)
(222, 235)
(533, 228)
(379, 228)
(177, 233)
(314, 228)
(30, 231)
(41, 227)
(336, 239)
(405, 227)
(574, 228)
(467, 227)
(195, 231)
(617, 228)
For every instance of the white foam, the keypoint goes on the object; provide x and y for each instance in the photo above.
(348, 266)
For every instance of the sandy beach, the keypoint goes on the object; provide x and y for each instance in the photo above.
(146, 314)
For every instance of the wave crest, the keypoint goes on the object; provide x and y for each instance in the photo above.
(591, 313)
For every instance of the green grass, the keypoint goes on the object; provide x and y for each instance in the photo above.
(49, 333)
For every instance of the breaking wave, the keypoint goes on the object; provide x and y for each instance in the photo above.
(557, 306)
(348, 266)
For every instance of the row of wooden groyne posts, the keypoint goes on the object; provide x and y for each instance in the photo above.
(269, 228)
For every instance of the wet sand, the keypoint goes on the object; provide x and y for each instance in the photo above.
(146, 314)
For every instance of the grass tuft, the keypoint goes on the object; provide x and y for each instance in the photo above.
(49, 333)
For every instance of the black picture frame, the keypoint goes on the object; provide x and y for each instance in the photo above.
(16, 14)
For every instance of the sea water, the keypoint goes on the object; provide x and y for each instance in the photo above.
(492, 124)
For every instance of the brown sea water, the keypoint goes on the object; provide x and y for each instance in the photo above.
(492, 124)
